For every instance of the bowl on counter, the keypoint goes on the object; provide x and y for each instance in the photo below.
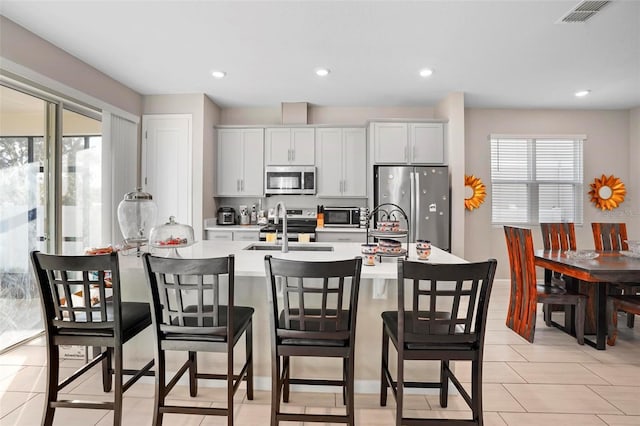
(389, 226)
(634, 245)
(369, 248)
(423, 253)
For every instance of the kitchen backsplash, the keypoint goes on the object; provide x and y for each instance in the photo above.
(290, 201)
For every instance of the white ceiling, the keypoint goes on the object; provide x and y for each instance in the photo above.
(501, 54)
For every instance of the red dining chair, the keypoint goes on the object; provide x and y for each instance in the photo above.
(526, 293)
(613, 237)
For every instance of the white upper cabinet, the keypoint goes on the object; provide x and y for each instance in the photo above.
(240, 162)
(390, 143)
(341, 155)
(427, 143)
(408, 143)
(289, 146)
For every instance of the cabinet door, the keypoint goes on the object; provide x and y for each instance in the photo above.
(390, 143)
(303, 146)
(427, 143)
(329, 156)
(246, 235)
(230, 161)
(354, 163)
(252, 183)
(219, 235)
(168, 165)
(340, 237)
(278, 147)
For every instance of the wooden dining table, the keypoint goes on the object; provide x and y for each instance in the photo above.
(592, 276)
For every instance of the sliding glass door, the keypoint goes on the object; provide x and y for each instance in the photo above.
(50, 197)
(81, 183)
(23, 210)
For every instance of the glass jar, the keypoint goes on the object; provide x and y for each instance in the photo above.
(137, 215)
(171, 235)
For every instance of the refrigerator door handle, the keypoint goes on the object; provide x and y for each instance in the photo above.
(416, 207)
(412, 217)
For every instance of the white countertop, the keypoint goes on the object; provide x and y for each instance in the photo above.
(250, 263)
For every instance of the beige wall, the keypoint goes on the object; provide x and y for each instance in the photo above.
(211, 118)
(38, 55)
(605, 149)
(633, 186)
(205, 115)
(452, 109)
(322, 115)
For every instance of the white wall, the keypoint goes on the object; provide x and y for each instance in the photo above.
(605, 150)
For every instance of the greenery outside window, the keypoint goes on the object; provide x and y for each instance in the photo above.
(536, 179)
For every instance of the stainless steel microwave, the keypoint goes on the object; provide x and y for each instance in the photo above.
(289, 180)
(347, 217)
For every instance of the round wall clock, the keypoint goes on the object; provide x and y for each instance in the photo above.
(475, 191)
(607, 193)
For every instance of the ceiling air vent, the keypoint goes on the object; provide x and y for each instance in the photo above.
(583, 11)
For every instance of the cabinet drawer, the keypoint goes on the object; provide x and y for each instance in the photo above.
(246, 236)
(220, 235)
(340, 237)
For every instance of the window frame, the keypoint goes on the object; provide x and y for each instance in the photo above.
(533, 182)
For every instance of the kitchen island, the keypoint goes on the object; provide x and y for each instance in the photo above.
(377, 294)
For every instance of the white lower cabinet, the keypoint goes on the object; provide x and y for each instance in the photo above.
(219, 235)
(341, 236)
(341, 158)
(246, 235)
(233, 235)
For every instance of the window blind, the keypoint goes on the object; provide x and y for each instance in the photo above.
(536, 180)
(120, 162)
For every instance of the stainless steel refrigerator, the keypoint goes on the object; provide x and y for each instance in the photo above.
(423, 193)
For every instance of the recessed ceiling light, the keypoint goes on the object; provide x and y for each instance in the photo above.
(322, 72)
(583, 93)
(218, 74)
(426, 72)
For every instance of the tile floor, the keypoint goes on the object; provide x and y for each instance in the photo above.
(553, 381)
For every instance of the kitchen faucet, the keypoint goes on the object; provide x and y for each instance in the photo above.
(285, 238)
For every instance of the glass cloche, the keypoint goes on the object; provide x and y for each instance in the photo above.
(137, 215)
(171, 235)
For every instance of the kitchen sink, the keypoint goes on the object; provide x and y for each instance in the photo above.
(292, 247)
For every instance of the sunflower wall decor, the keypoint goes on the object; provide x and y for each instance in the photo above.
(478, 192)
(607, 193)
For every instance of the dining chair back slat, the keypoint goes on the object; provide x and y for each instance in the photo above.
(558, 236)
(609, 236)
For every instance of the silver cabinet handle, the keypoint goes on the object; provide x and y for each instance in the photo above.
(344, 186)
(293, 155)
